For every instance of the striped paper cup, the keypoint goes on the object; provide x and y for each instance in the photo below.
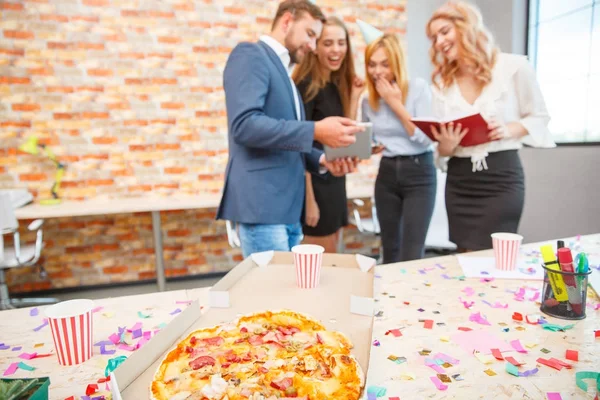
(308, 259)
(71, 323)
(506, 250)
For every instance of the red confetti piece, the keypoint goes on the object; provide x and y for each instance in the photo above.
(550, 363)
(517, 316)
(573, 355)
(407, 303)
(597, 334)
(513, 361)
(70, 398)
(462, 328)
(91, 389)
(428, 324)
(395, 332)
(393, 398)
(564, 364)
(496, 353)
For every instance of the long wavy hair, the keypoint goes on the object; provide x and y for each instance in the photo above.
(343, 78)
(476, 46)
(397, 61)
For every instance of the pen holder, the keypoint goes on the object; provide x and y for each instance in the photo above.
(564, 293)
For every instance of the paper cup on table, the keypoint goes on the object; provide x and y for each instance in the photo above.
(506, 250)
(308, 259)
(72, 325)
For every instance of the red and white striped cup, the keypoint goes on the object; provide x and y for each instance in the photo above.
(308, 259)
(72, 326)
(506, 250)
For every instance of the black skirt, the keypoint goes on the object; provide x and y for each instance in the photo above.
(483, 202)
(330, 194)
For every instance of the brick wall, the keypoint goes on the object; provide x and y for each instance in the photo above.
(129, 96)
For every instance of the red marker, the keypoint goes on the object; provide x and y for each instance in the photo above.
(565, 259)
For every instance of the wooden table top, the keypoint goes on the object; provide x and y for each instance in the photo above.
(136, 204)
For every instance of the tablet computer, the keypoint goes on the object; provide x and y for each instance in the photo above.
(361, 148)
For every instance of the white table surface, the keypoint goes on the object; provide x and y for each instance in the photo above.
(421, 284)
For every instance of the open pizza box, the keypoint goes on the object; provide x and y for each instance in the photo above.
(265, 281)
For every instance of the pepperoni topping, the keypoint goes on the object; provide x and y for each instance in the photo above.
(233, 358)
(244, 330)
(202, 361)
(193, 340)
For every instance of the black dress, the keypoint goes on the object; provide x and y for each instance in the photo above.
(330, 191)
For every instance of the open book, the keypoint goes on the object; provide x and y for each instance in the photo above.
(478, 128)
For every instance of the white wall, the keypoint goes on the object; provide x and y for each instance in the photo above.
(562, 184)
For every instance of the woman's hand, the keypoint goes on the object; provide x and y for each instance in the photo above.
(378, 148)
(312, 213)
(498, 131)
(388, 91)
(512, 130)
(448, 137)
(358, 87)
(341, 166)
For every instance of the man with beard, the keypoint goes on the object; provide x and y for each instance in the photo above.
(270, 143)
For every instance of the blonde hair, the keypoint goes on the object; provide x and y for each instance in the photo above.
(476, 44)
(343, 78)
(397, 61)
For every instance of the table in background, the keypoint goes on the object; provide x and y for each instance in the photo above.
(153, 204)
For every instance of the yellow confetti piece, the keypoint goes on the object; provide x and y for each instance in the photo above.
(408, 376)
(108, 314)
(530, 345)
(490, 372)
(520, 328)
(38, 345)
(447, 365)
(502, 323)
(392, 357)
(444, 378)
(484, 358)
(445, 338)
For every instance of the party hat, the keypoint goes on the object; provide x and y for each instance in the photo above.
(369, 32)
(30, 146)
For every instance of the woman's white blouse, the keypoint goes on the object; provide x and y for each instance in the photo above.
(513, 95)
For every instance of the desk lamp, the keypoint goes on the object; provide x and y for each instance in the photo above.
(31, 146)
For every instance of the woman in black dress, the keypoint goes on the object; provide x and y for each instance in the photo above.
(329, 86)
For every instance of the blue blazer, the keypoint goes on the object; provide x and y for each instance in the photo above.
(269, 149)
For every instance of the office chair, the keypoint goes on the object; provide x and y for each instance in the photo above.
(18, 256)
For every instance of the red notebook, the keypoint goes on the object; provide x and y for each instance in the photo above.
(478, 128)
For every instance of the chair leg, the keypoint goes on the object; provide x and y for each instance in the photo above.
(340, 243)
(5, 303)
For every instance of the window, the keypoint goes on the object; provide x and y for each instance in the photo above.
(564, 45)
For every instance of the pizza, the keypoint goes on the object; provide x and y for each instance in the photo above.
(264, 356)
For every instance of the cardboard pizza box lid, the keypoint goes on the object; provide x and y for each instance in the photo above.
(342, 302)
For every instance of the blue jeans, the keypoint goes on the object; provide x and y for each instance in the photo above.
(256, 238)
